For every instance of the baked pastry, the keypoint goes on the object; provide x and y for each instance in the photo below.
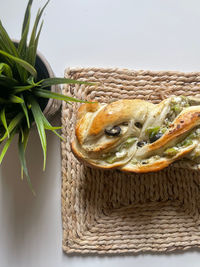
(138, 136)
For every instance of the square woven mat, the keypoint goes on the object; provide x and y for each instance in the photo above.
(114, 212)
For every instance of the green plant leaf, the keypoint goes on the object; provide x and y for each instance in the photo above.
(4, 122)
(22, 156)
(31, 81)
(21, 62)
(23, 41)
(53, 81)
(4, 48)
(15, 99)
(26, 17)
(7, 81)
(22, 144)
(48, 94)
(7, 144)
(7, 45)
(21, 135)
(6, 42)
(32, 48)
(22, 148)
(48, 126)
(23, 105)
(19, 89)
(36, 110)
(22, 47)
(13, 125)
(6, 69)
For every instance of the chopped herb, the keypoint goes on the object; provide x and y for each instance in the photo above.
(177, 108)
(171, 152)
(130, 141)
(178, 103)
(134, 161)
(186, 142)
(111, 159)
(151, 131)
(163, 130)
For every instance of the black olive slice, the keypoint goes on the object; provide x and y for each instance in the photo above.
(141, 143)
(144, 162)
(155, 137)
(138, 124)
(114, 131)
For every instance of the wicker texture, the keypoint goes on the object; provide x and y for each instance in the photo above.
(115, 212)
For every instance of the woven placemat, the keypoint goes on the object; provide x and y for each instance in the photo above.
(115, 212)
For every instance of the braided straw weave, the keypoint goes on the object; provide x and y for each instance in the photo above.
(113, 212)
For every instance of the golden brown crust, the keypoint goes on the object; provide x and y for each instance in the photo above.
(116, 113)
(83, 119)
(88, 107)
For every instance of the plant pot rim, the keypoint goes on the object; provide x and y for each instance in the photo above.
(53, 105)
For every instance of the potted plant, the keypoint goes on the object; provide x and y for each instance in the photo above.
(27, 89)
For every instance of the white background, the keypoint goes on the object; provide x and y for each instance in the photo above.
(145, 34)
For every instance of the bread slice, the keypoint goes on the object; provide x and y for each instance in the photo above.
(138, 136)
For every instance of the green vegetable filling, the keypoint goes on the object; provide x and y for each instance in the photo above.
(152, 131)
(177, 106)
(185, 143)
(112, 157)
(130, 141)
(171, 152)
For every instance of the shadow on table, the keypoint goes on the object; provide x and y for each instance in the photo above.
(25, 215)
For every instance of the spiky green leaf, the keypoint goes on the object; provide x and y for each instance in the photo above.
(19, 89)
(36, 110)
(22, 144)
(31, 84)
(13, 125)
(26, 17)
(4, 121)
(23, 105)
(48, 94)
(15, 99)
(32, 48)
(6, 42)
(48, 126)
(22, 149)
(21, 62)
(6, 70)
(7, 82)
(7, 144)
(53, 81)
(7, 45)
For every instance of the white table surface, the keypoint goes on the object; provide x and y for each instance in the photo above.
(145, 34)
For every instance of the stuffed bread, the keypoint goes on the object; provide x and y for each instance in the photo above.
(138, 136)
